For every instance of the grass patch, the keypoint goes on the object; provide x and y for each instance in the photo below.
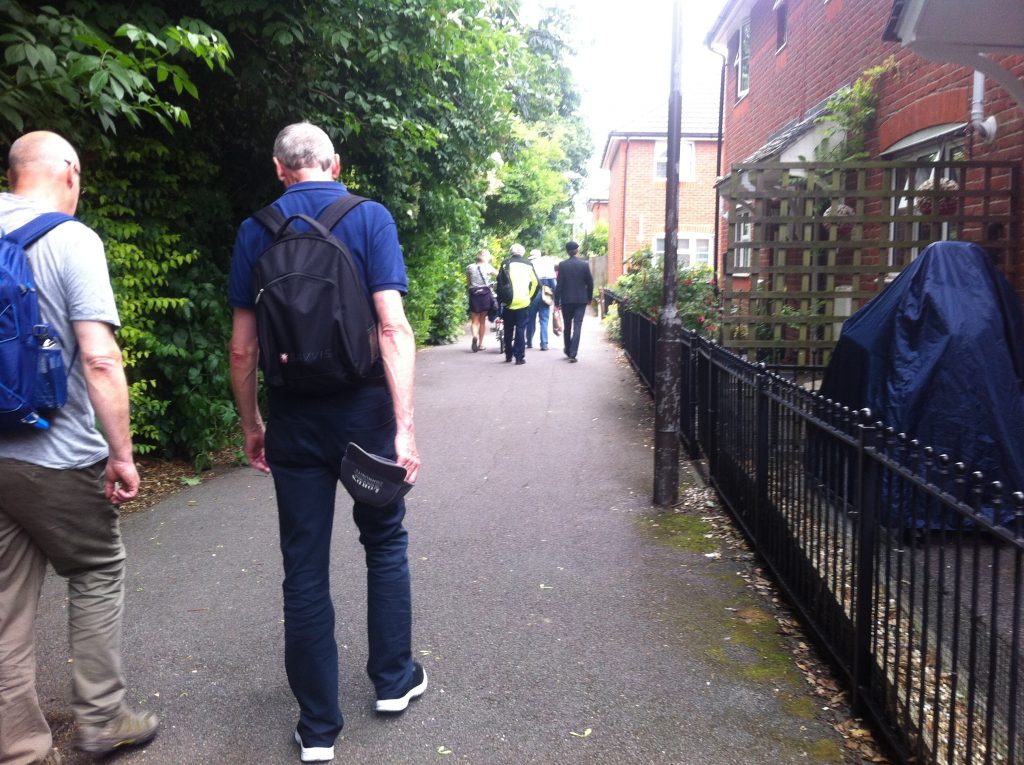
(684, 532)
(825, 750)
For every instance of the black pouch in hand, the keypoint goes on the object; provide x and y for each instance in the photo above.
(372, 480)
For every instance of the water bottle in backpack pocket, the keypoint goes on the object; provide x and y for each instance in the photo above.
(51, 375)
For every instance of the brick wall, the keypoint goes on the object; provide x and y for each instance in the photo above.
(829, 45)
(636, 200)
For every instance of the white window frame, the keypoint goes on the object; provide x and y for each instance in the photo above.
(744, 232)
(688, 255)
(742, 62)
(687, 160)
(661, 160)
(943, 149)
(781, 24)
(702, 259)
(658, 247)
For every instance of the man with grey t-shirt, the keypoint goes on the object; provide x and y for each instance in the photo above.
(59, 487)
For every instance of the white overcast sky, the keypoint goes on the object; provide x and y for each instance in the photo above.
(624, 55)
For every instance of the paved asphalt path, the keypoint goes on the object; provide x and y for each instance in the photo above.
(553, 625)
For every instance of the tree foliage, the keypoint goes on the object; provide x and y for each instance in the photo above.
(419, 96)
(595, 243)
(58, 68)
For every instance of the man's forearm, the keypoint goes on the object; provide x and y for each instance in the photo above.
(244, 386)
(244, 358)
(398, 350)
(108, 391)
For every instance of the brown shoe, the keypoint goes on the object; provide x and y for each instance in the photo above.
(127, 729)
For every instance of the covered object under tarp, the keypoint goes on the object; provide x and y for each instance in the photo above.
(939, 355)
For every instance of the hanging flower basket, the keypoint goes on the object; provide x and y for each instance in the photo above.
(840, 211)
(946, 205)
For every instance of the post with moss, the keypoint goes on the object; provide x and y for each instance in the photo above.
(668, 360)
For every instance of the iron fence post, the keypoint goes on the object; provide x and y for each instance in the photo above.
(711, 422)
(866, 509)
(761, 452)
(690, 386)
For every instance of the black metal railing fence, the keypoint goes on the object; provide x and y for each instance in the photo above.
(908, 568)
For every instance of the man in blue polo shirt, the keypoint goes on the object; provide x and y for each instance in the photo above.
(304, 443)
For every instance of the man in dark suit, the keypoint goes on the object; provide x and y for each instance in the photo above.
(573, 292)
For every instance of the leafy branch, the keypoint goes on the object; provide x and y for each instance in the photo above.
(58, 67)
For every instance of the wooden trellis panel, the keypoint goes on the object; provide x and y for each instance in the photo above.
(810, 243)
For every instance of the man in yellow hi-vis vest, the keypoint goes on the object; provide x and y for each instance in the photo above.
(517, 284)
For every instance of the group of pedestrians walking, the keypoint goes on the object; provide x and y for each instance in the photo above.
(526, 290)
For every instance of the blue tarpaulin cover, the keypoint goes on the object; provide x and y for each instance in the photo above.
(939, 355)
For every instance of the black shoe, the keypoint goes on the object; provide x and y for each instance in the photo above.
(572, 359)
(520, 361)
(528, 345)
(543, 347)
(508, 360)
(417, 686)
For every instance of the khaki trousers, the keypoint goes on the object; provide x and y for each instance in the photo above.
(60, 516)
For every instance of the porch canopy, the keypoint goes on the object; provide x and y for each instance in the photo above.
(965, 33)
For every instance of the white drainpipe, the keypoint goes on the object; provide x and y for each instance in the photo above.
(984, 127)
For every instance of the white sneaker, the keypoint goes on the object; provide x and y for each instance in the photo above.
(417, 685)
(313, 753)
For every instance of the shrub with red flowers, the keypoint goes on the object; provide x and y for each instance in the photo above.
(642, 288)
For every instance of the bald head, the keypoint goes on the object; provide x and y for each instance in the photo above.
(45, 167)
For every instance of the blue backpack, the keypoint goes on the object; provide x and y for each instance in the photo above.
(32, 373)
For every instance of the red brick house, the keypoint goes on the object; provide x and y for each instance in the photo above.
(785, 58)
(636, 158)
(598, 209)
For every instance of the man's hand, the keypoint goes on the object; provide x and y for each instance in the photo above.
(255, 441)
(244, 358)
(122, 481)
(408, 457)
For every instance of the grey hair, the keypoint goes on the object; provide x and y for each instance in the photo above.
(517, 249)
(303, 144)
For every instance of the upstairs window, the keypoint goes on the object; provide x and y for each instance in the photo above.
(743, 60)
(661, 160)
(781, 25)
(687, 161)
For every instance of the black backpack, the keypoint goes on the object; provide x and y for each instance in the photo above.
(504, 284)
(317, 328)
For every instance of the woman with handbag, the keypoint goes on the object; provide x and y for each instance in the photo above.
(481, 298)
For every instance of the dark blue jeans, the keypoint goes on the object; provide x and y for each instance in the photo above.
(515, 331)
(306, 438)
(572, 317)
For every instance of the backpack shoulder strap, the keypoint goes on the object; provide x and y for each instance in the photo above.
(38, 227)
(270, 218)
(334, 212)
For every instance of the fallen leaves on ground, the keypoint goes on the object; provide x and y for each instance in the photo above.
(701, 501)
